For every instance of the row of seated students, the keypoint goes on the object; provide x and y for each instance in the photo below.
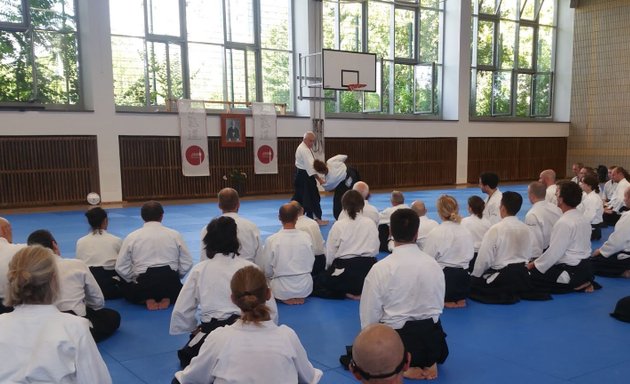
(508, 282)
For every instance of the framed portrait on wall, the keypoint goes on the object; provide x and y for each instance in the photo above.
(232, 130)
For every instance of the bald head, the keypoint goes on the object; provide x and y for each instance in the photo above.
(419, 208)
(548, 177)
(378, 350)
(228, 200)
(362, 188)
(5, 230)
(298, 206)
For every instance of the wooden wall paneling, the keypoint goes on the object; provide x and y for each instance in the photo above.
(515, 158)
(383, 163)
(47, 170)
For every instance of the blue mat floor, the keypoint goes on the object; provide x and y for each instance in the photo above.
(571, 339)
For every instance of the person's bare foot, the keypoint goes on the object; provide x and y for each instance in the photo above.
(455, 304)
(414, 373)
(152, 305)
(586, 287)
(164, 303)
(296, 301)
(626, 274)
(353, 297)
(431, 373)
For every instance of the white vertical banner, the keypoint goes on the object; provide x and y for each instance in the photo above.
(265, 138)
(194, 137)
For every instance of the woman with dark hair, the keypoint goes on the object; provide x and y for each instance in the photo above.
(207, 289)
(351, 251)
(591, 206)
(451, 245)
(99, 250)
(475, 224)
(39, 344)
(254, 349)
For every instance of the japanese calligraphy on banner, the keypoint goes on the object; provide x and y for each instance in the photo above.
(265, 138)
(194, 137)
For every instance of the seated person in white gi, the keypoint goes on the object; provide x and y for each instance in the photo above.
(610, 186)
(287, 259)
(575, 168)
(452, 247)
(7, 250)
(548, 177)
(248, 232)
(565, 266)
(337, 177)
(613, 258)
(39, 344)
(379, 356)
(99, 250)
(476, 225)
(500, 275)
(310, 226)
(405, 291)
(489, 184)
(206, 292)
(614, 208)
(592, 206)
(152, 260)
(369, 210)
(426, 225)
(79, 293)
(254, 349)
(540, 218)
(397, 199)
(351, 251)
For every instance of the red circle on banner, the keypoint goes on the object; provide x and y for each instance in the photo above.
(195, 155)
(265, 154)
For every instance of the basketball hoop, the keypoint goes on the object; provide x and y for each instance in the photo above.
(356, 86)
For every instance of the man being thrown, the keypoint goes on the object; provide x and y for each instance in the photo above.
(379, 356)
(288, 258)
(500, 275)
(613, 258)
(306, 179)
(338, 177)
(152, 260)
(565, 266)
(406, 292)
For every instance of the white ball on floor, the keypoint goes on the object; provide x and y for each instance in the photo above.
(93, 198)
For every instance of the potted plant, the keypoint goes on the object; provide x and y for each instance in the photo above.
(236, 178)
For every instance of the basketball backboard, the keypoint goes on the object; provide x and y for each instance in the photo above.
(343, 68)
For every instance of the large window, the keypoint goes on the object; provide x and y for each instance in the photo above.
(215, 50)
(512, 58)
(38, 53)
(407, 38)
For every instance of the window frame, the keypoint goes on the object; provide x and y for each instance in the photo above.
(387, 69)
(227, 47)
(495, 68)
(29, 30)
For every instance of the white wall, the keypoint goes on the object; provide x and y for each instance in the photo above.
(108, 125)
